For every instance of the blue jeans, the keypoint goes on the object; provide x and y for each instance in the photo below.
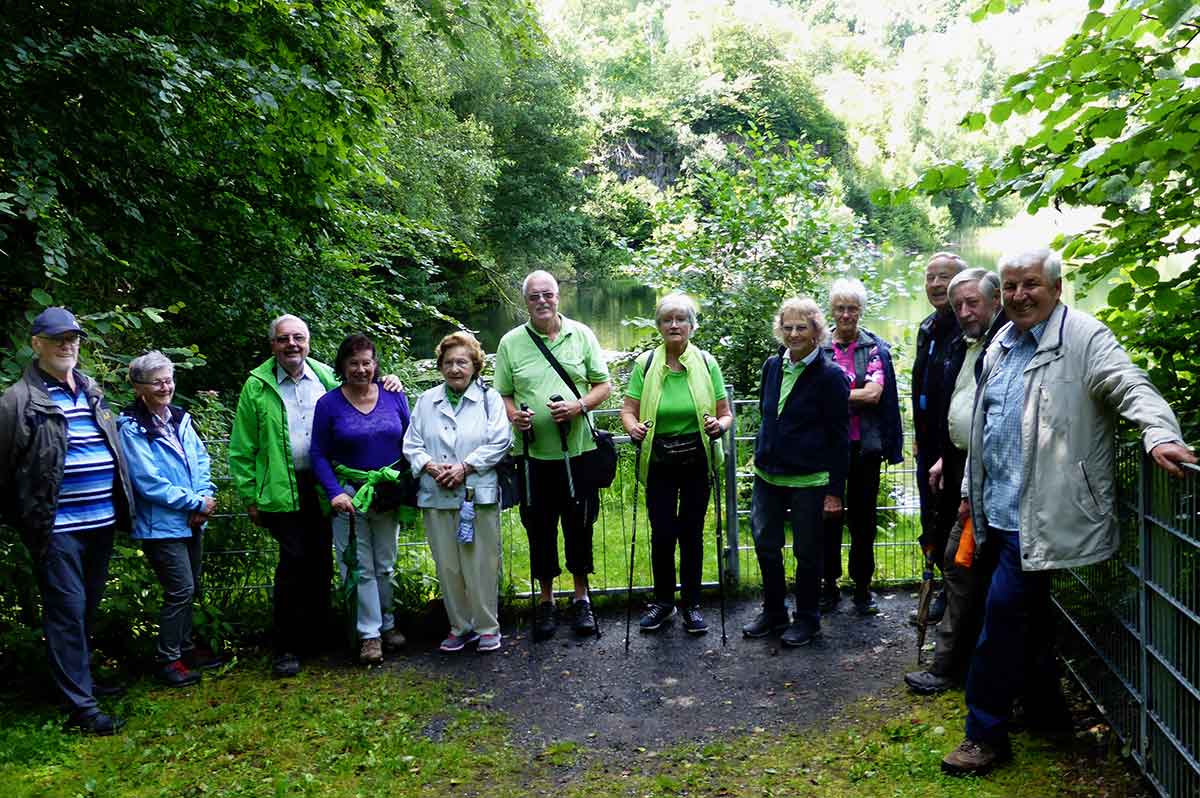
(1014, 656)
(772, 507)
(71, 575)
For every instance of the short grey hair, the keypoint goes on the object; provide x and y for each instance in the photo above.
(849, 288)
(678, 301)
(989, 281)
(1049, 260)
(280, 320)
(535, 274)
(807, 309)
(143, 366)
(959, 263)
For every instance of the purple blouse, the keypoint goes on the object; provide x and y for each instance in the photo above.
(342, 434)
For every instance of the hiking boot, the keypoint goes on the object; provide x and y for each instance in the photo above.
(286, 665)
(393, 639)
(584, 622)
(545, 622)
(765, 624)
(865, 605)
(830, 599)
(489, 642)
(455, 642)
(370, 651)
(176, 674)
(656, 615)
(799, 633)
(693, 621)
(973, 758)
(927, 682)
(97, 723)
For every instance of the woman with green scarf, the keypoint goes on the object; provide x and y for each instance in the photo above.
(680, 389)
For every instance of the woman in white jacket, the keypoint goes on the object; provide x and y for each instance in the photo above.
(458, 434)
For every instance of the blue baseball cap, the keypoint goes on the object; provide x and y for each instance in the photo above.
(56, 321)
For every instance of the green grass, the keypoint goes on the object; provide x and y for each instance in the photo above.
(344, 733)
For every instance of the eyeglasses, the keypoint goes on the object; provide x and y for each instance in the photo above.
(462, 363)
(544, 296)
(165, 382)
(788, 329)
(66, 339)
(297, 337)
(846, 310)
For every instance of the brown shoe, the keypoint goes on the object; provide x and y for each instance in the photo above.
(973, 758)
(371, 652)
(393, 639)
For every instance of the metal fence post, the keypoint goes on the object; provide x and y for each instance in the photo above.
(1144, 555)
(732, 563)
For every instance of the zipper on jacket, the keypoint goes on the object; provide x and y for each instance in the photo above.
(1088, 483)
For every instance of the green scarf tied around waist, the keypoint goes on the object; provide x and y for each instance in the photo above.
(695, 364)
(368, 480)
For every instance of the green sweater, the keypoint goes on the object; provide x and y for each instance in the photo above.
(260, 451)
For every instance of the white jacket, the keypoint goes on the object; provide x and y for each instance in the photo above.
(478, 434)
(1078, 382)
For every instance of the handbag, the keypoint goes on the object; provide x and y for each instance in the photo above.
(508, 470)
(594, 470)
(677, 450)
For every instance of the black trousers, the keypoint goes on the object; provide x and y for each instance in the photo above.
(861, 516)
(304, 573)
(946, 501)
(552, 503)
(677, 501)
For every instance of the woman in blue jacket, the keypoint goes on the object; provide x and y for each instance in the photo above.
(169, 468)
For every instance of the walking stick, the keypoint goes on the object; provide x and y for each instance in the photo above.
(349, 592)
(716, 485)
(562, 436)
(526, 439)
(637, 472)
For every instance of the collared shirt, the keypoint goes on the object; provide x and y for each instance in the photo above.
(299, 400)
(843, 355)
(85, 496)
(962, 400)
(168, 431)
(1003, 404)
(792, 372)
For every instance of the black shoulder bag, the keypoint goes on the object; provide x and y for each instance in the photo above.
(507, 470)
(594, 470)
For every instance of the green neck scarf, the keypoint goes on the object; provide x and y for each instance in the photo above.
(699, 383)
(369, 479)
(453, 396)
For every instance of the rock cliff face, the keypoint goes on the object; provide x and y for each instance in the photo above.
(630, 158)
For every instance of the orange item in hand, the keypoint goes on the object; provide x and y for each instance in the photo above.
(966, 545)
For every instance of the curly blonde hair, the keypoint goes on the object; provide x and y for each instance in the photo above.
(467, 341)
(807, 309)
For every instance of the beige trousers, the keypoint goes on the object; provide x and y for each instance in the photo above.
(469, 573)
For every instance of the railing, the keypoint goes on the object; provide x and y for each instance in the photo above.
(1131, 631)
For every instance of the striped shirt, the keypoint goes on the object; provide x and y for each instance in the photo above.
(85, 498)
(1003, 404)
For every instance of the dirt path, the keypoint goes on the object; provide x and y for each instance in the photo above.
(674, 687)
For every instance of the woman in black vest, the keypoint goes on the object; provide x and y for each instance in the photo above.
(800, 459)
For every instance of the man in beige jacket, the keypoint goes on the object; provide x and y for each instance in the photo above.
(1039, 488)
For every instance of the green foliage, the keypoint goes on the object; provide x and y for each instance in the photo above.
(742, 235)
(1119, 122)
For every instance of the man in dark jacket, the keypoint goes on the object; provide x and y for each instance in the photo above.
(975, 298)
(64, 486)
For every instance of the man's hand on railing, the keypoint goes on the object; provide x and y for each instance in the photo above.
(1167, 456)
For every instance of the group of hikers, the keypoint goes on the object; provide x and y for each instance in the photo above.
(1014, 400)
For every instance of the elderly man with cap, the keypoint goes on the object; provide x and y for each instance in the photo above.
(64, 486)
(272, 473)
(1040, 490)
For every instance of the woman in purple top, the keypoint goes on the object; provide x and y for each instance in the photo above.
(362, 427)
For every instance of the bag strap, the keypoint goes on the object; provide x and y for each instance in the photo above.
(562, 373)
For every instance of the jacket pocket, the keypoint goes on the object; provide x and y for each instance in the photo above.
(1088, 490)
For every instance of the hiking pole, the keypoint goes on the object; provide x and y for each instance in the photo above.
(562, 436)
(637, 472)
(716, 486)
(526, 439)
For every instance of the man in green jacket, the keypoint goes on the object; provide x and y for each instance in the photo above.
(272, 474)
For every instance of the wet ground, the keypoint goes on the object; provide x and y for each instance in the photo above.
(673, 686)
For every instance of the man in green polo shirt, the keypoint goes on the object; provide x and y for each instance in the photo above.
(525, 377)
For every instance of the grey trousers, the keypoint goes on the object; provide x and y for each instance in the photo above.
(966, 590)
(176, 563)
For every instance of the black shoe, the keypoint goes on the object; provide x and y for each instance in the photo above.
(286, 665)
(865, 605)
(830, 599)
(799, 633)
(656, 615)
(693, 621)
(97, 723)
(545, 622)
(927, 682)
(107, 690)
(765, 624)
(584, 622)
(176, 674)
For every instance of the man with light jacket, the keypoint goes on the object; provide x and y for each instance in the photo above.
(1039, 489)
(65, 488)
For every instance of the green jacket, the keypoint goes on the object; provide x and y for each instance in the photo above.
(260, 450)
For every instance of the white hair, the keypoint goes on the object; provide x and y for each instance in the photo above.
(678, 301)
(806, 309)
(849, 288)
(141, 367)
(537, 273)
(989, 282)
(1050, 262)
(280, 320)
(959, 263)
